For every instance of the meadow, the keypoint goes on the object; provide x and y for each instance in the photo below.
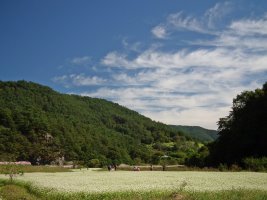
(91, 184)
(104, 181)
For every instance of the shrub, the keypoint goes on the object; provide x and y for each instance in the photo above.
(11, 170)
(94, 163)
(235, 168)
(255, 164)
(222, 167)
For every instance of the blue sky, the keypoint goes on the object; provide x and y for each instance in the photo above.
(178, 62)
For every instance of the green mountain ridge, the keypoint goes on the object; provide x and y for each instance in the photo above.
(197, 132)
(41, 125)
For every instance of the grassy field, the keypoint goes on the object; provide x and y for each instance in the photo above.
(95, 181)
(89, 184)
(30, 168)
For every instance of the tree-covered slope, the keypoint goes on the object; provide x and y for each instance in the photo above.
(197, 132)
(39, 124)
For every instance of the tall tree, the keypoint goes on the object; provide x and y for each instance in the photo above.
(243, 133)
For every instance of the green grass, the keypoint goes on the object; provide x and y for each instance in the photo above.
(25, 191)
(229, 195)
(13, 192)
(104, 181)
(30, 169)
(94, 185)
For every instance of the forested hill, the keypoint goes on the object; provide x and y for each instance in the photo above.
(40, 124)
(197, 132)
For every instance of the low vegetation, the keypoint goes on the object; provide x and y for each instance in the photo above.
(21, 169)
(13, 192)
(119, 181)
(26, 191)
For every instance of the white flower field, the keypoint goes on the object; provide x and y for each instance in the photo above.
(103, 181)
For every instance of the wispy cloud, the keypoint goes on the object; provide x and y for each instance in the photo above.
(135, 47)
(181, 22)
(81, 60)
(216, 58)
(205, 24)
(192, 85)
(217, 13)
(79, 80)
(115, 59)
(244, 34)
(250, 27)
(159, 32)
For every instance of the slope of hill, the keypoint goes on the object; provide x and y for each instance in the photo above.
(197, 132)
(40, 125)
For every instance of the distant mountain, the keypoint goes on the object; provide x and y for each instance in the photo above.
(40, 125)
(197, 132)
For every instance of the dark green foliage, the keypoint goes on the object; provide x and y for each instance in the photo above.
(94, 163)
(243, 133)
(198, 159)
(197, 132)
(40, 125)
(255, 164)
(11, 170)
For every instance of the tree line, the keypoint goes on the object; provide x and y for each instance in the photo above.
(40, 125)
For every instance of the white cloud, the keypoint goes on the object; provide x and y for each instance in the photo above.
(250, 27)
(115, 59)
(216, 58)
(79, 80)
(193, 117)
(159, 32)
(180, 22)
(135, 47)
(60, 78)
(174, 108)
(125, 79)
(191, 86)
(82, 80)
(217, 12)
(196, 86)
(249, 34)
(81, 60)
(204, 107)
(230, 40)
(205, 24)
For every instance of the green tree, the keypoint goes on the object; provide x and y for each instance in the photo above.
(243, 133)
(94, 163)
(11, 170)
